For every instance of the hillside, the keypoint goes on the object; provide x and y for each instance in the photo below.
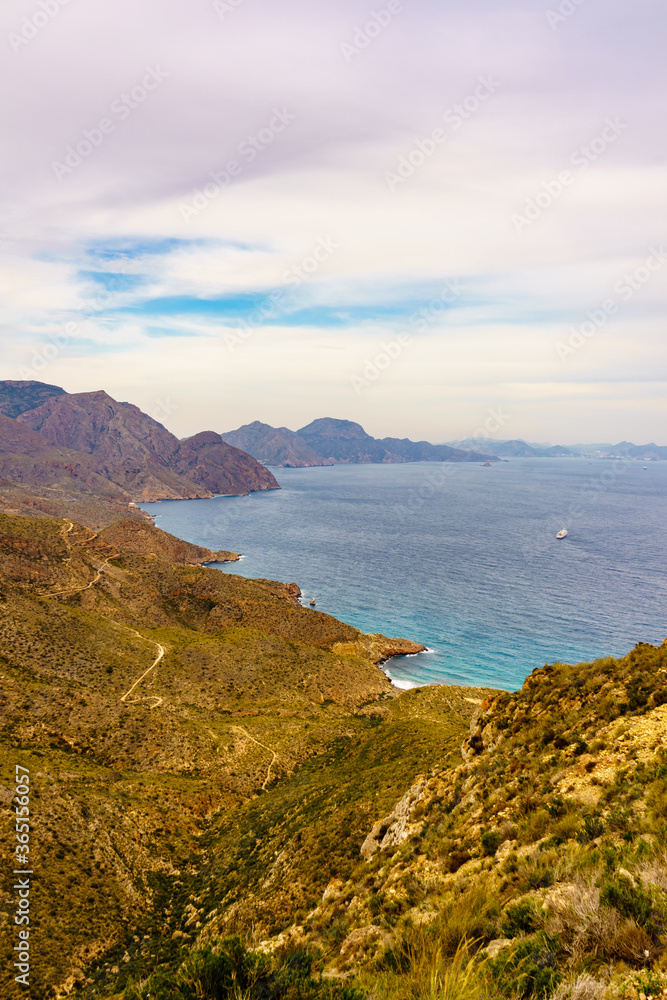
(209, 759)
(277, 446)
(147, 695)
(533, 866)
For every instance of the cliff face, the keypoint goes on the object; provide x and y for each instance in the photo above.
(125, 446)
(276, 446)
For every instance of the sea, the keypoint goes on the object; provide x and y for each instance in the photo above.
(460, 557)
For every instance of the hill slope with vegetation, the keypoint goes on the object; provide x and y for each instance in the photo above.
(229, 799)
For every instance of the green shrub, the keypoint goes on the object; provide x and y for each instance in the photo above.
(529, 969)
(491, 841)
(232, 972)
(591, 827)
(518, 919)
(633, 902)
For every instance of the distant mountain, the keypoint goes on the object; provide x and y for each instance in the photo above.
(644, 452)
(327, 441)
(141, 456)
(17, 397)
(277, 446)
(346, 441)
(27, 460)
(515, 449)
(88, 450)
(641, 452)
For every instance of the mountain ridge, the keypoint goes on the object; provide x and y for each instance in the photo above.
(328, 441)
(277, 446)
(89, 450)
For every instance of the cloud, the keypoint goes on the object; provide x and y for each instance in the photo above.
(313, 132)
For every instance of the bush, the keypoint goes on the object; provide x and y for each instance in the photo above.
(518, 919)
(528, 969)
(232, 972)
(491, 841)
(634, 903)
(591, 828)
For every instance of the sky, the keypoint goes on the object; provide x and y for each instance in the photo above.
(438, 218)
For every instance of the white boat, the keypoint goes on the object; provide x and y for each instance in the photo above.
(562, 533)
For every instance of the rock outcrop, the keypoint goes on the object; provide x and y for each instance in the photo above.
(379, 648)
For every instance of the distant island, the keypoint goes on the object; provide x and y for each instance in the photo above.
(520, 449)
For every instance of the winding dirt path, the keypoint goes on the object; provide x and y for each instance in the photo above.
(245, 732)
(68, 528)
(149, 697)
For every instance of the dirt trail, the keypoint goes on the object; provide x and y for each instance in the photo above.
(149, 697)
(79, 590)
(66, 532)
(245, 732)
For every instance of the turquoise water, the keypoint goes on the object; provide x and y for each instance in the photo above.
(460, 557)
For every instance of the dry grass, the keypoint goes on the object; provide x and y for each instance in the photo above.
(432, 975)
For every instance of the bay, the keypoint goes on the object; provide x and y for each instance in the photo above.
(460, 557)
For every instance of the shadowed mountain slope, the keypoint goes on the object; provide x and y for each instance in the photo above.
(17, 397)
